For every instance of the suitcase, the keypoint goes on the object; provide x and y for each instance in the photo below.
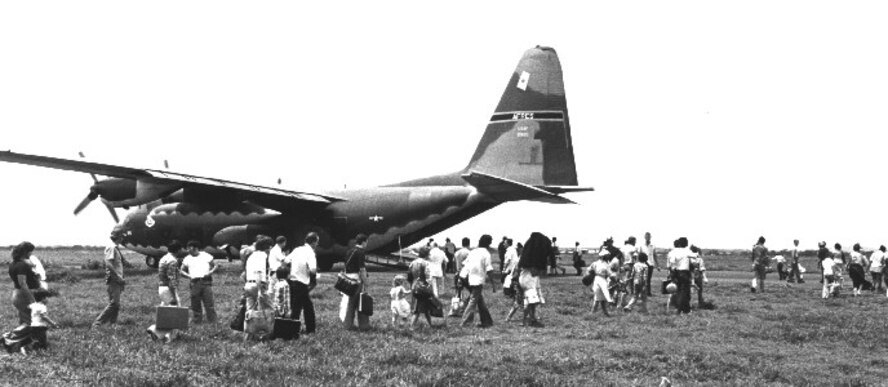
(171, 317)
(286, 329)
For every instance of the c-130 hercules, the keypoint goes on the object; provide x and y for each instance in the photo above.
(526, 153)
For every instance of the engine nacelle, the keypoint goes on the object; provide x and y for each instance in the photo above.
(239, 235)
(118, 192)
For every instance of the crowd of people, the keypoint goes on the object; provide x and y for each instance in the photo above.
(278, 281)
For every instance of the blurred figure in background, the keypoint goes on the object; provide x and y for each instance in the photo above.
(760, 263)
(649, 249)
(578, 262)
(877, 265)
(795, 274)
(856, 269)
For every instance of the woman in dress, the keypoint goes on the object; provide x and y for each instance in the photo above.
(602, 270)
(423, 288)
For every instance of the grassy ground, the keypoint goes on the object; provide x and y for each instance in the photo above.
(786, 336)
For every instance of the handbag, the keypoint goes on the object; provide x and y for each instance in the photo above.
(345, 284)
(422, 289)
(365, 304)
(588, 279)
(436, 308)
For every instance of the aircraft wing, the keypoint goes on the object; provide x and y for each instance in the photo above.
(247, 190)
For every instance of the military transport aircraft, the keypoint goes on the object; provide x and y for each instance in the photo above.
(526, 153)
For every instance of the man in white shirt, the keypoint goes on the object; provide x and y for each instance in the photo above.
(199, 267)
(114, 280)
(256, 276)
(651, 251)
(877, 265)
(303, 278)
(478, 269)
(795, 275)
(275, 259)
(437, 260)
(679, 262)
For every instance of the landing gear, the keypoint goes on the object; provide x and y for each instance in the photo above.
(152, 261)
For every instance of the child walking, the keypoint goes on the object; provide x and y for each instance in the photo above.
(639, 282)
(40, 321)
(400, 307)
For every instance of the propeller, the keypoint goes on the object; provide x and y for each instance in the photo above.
(95, 191)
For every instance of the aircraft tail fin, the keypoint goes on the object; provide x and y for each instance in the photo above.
(528, 138)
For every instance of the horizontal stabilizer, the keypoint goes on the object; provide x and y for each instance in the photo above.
(509, 190)
(560, 189)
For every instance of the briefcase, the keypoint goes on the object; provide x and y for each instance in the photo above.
(171, 317)
(365, 304)
(285, 328)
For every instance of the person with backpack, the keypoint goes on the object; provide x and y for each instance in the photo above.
(422, 288)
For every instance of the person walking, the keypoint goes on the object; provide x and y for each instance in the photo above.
(531, 264)
(651, 252)
(554, 267)
(856, 269)
(478, 269)
(356, 268)
(303, 278)
(760, 263)
(199, 267)
(679, 260)
(168, 275)
(822, 253)
(25, 282)
(795, 274)
(422, 288)
(437, 261)
(601, 269)
(114, 280)
(458, 258)
(877, 264)
(578, 262)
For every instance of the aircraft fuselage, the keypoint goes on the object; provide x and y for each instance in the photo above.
(392, 217)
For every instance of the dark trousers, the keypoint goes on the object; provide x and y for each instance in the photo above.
(795, 275)
(202, 295)
(109, 315)
(300, 303)
(781, 274)
(698, 281)
(647, 285)
(38, 338)
(477, 299)
(683, 299)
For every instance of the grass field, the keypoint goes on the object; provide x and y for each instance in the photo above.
(786, 336)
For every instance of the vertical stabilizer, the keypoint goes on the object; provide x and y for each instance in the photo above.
(528, 137)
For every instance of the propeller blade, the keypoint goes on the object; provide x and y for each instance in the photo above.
(85, 202)
(113, 213)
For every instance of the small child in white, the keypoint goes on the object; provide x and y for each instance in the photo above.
(40, 321)
(640, 294)
(400, 307)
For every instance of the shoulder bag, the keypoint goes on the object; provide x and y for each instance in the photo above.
(345, 284)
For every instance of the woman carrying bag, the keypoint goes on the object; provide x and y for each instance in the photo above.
(355, 268)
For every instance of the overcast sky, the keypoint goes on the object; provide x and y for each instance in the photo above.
(720, 122)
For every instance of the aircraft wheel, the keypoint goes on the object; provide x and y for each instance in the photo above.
(325, 265)
(152, 261)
